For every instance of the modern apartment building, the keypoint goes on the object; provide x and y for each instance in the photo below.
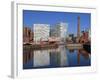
(60, 30)
(41, 32)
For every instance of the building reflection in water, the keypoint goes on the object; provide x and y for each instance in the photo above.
(83, 53)
(57, 57)
(41, 58)
(64, 57)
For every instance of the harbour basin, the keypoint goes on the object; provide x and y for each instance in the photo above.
(55, 57)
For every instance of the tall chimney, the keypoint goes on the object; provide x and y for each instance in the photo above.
(78, 27)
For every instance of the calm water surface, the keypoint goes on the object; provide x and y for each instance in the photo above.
(56, 57)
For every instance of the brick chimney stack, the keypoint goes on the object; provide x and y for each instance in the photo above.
(78, 27)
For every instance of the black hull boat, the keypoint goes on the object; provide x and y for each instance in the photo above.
(87, 47)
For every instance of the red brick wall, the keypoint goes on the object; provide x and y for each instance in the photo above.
(27, 35)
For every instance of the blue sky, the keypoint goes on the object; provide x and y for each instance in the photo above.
(31, 17)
